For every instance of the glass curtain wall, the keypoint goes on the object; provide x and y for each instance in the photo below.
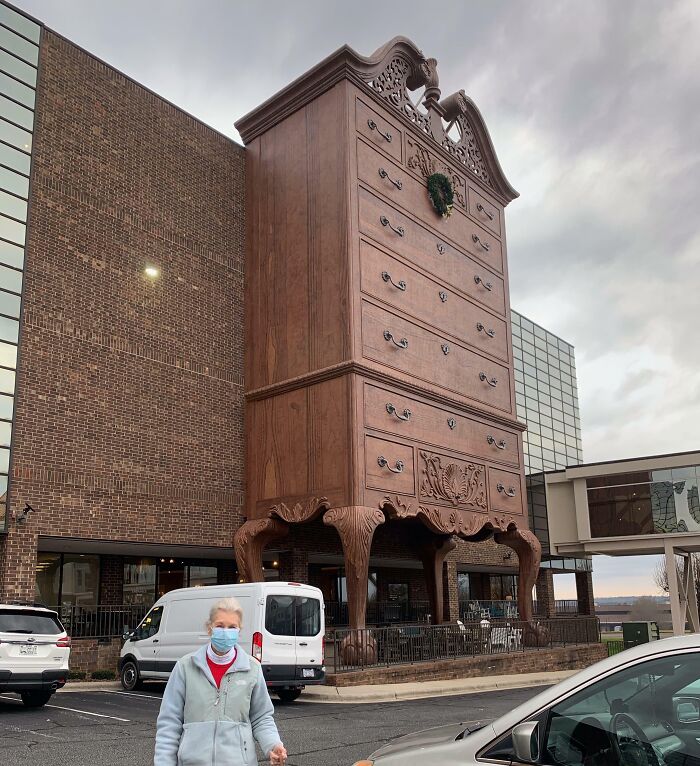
(19, 59)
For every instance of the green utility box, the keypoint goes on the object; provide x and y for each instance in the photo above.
(635, 633)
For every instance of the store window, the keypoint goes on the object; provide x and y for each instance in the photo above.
(48, 578)
(139, 581)
(65, 579)
(201, 575)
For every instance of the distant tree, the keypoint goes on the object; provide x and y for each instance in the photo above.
(661, 577)
(647, 608)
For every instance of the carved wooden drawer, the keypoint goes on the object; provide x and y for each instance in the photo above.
(421, 163)
(423, 247)
(505, 491)
(389, 466)
(392, 281)
(395, 342)
(405, 416)
(378, 130)
(401, 188)
(488, 214)
(452, 482)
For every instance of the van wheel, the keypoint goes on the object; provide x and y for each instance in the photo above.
(288, 695)
(35, 699)
(129, 676)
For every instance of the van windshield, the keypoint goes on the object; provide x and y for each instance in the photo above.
(293, 616)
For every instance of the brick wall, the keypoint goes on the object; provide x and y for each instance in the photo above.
(88, 655)
(111, 580)
(128, 416)
(545, 660)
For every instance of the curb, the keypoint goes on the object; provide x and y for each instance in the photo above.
(428, 689)
(93, 686)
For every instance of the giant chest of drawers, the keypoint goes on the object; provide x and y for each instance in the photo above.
(379, 362)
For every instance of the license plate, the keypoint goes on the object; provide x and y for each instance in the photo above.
(28, 649)
(307, 673)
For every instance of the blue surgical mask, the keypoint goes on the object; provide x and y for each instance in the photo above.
(224, 639)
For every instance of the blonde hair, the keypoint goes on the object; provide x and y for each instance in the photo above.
(231, 605)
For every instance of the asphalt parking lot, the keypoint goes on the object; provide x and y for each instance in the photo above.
(113, 728)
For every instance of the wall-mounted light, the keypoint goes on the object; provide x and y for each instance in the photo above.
(151, 271)
(25, 513)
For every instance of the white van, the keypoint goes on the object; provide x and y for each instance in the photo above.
(283, 628)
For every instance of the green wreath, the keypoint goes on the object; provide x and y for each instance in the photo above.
(441, 194)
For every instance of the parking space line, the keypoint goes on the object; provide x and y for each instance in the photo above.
(130, 694)
(74, 710)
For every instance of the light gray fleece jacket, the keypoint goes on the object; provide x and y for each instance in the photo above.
(200, 725)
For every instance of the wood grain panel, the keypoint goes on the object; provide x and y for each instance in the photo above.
(386, 135)
(503, 484)
(398, 456)
(458, 370)
(407, 417)
(430, 252)
(392, 281)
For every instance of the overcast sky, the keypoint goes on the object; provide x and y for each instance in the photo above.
(594, 110)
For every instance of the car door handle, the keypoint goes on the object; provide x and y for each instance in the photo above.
(156, 640)
(303, 643)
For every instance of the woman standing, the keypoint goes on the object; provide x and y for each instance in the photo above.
(216, 701)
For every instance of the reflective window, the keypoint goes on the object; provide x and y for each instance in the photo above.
(14, 20)
(150, 624)
(17, 68)
(14, 159)
(9, 304)
(4, 460)
(5, 433)
(7, 382)
(8, 355)
(17, 90)
(13, 112)
(139, 581)
(14, 182)
(6, 407)
(12, 230)
(19, 46)
(10, 279)
(13, 206)
(11, 134)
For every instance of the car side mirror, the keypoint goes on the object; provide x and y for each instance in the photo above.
(687, 709)
(526, 742)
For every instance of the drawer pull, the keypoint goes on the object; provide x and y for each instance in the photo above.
(481, 328)
(384, 463)
(398, 229)
(403, 343)
(477, 241)
(491, 440)
(401, 285)
(445, 348)
(510, 491)
(491, 381)
(441, 248)
(452, 423)
(483, 210)
(443, 296)
(372, 125)
(384, 174)
(393, 411)
(487, 285)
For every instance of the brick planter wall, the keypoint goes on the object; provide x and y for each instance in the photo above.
(545, 660)
(88, 654)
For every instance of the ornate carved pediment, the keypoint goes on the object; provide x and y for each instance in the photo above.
(424, 164)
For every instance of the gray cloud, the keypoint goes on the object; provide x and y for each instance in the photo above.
(594, 110)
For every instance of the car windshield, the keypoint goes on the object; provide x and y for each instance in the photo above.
(26, 622)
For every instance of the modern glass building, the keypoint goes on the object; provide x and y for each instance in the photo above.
(19, 59)
(546, 397)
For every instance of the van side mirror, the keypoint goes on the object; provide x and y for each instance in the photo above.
(526, 742)
(687, 709)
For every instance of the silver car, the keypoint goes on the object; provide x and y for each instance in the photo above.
(640, 707)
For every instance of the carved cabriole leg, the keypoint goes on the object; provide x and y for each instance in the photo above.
(529, 551)
(250, 540)
(355, 525)
(432, 553)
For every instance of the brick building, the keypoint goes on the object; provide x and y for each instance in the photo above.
(122, 228)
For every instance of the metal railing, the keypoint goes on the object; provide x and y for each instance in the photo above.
(477, 609)
(615, 647)
(567, 606)
(348, 649)
(100, 621)
(379, 612)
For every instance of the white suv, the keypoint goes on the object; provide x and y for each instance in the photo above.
(34, 653)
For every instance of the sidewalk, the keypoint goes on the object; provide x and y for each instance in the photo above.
(425, 689)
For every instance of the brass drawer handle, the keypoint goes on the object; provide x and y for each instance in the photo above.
(479, 281)
(477, 241)
(398, 229)
(452, 423)
(491, 440)
(445, 348)
(401, 285)
(481, 328)
(443, 296)
(384, 463)
(483, 210)
(403, 343)
(384, 174)
(491, 381)
(510, 491)
(372, 125)
(440, 248)
(393, 411)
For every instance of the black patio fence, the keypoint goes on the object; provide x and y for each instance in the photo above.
(348, 649)
(103, 621)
